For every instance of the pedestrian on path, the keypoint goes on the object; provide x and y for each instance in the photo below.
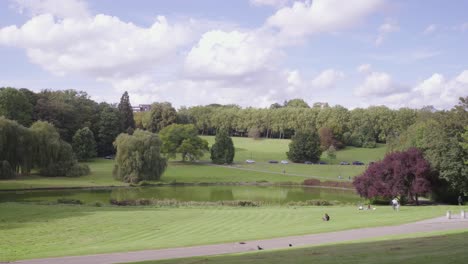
(460, 200)
(395, 204)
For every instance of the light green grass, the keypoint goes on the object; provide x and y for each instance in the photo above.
(101, 175)
(34, 231)
(246, 148)
(263, 150)
(449, 248)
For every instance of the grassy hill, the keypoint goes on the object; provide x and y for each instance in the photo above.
(263, 150)
(202, 172)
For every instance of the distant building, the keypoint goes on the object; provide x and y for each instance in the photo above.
(141, 108)
(320, 105)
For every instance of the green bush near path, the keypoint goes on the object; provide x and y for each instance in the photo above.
(423, 250)
(37, 231)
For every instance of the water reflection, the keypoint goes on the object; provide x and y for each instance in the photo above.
(270, 194)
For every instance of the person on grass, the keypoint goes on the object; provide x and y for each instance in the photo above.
(326, 217)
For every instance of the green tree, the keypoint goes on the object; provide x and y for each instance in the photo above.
(160, 116)
(15, 105)
(126, 113)
(446, 155)
(16, 148)
(53, 156)
(84, 144)
(68, 111)
(222, 151)
(299, 103)
(109, 129)
(304, 146)
(184, 140)
(139, 157)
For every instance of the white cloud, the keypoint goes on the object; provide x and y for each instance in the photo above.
(437, 90)
(274, 3)
(364, 68)
(327, 78)
(221, 54)
(377, 84)
(430, 29)
(384, 30)
(440, 92)
(101, 46)
(58, 8)
(309, 17)
(431, 86)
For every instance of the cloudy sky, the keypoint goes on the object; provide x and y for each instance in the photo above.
(354, 53)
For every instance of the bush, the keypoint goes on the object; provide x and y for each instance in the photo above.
(311, 182)
(69, 201)
(78, 170)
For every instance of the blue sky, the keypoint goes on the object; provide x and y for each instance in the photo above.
(355, 53)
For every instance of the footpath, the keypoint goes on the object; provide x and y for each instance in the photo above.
(430, 225)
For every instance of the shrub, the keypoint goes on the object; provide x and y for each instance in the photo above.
(78, 170)
(69, 201)
(311, 182)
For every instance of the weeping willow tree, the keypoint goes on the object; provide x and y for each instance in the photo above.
(40, 146)
(16, 144)
(53, 156)
(139, 157)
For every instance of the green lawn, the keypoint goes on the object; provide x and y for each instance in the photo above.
(34, 231)
(263, 150)
(450, 248)
(260, 150)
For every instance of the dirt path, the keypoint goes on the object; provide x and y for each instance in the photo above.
(436, 224)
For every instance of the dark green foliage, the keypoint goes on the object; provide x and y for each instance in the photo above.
(109, 129)
(138, 157)
(304, 146)
(37, 147)
(445, 154)
(222, 151)
(126, 113)
(54, 157)
(160, 116)
(182, 139)
(5, 170)
(77, 170)
(15, 105)
(67, 110)
(84, 144)
(16, 146)
(69, 201)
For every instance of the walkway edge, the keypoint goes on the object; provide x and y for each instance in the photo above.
(436, 224)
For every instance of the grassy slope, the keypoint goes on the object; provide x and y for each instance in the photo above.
(434, 249)
(33, 231)
(260, 150)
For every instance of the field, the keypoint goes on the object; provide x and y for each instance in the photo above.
(260, 150)
(449, 248)
(34, 231)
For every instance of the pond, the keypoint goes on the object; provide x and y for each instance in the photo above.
(268, 194)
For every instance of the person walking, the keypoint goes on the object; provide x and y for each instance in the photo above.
(460, 200)
(395, 204)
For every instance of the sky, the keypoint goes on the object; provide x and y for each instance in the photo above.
(354, 53)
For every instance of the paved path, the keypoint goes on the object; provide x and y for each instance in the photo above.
(436, 224)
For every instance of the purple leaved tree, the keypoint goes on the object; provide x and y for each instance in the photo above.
(404, 174)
